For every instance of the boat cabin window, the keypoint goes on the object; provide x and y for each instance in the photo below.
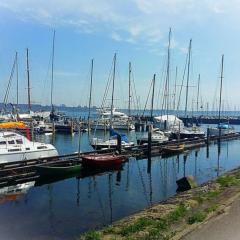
(41, 147)
(2, 142)
(11, 142)
(14, 150)
(19, 141)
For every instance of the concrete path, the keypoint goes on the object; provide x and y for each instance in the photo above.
(223, 227)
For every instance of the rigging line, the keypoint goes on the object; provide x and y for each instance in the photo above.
(180, 91)
(9, 84)
(147, 97)
(160, 85)
(108, 85)
(135, 92)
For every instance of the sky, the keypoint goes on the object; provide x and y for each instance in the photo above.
(137, 30)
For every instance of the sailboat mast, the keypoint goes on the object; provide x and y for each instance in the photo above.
(28, 80)
(113, 82)
(129, 89)
(220, 93)
(175, 89)
(90, 95)
(17, 74)
(168, 69)
(53, 52)
(188, 73)
(153, 89)
(199, 76)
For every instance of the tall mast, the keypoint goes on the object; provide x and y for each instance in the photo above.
(53, 52)
(188, 73)
(175, 89)
(199, 76)
(168, 69)
(113, 83)
(28, 79)
(220, 93)
(17, 74)
(129, 89)
(90, 95)
(153, 88)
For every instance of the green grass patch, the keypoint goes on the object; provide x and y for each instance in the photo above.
(139, 225)
(197, 217)
(227, 181)
(91, 235)
(179, 212)
(213, 208)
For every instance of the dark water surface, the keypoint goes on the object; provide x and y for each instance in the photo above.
(66, 208)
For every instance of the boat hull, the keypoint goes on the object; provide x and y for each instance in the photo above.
(102, 161)
(30, 155)
(58, 170)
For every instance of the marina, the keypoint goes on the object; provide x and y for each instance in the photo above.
(118, 120)
(94, 198)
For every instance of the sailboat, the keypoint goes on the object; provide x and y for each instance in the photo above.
(222, 128)
(193, 131)
(112, 142)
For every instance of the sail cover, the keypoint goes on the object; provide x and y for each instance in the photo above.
(114, 134)
(8, 125)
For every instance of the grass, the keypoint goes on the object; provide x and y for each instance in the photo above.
(91, 235)
(155, 227)
(197, 217)
(228, 181)
(151, 228)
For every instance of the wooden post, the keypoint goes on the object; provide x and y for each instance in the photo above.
(179, 128)
(119, 143)
(208, 136)
(149, 148)
(149, 141)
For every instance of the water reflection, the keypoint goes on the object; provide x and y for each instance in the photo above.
(65, 207)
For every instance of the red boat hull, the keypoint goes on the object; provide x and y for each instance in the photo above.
(102, 161)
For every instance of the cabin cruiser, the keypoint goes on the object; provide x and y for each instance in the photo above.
(15, 147)
(158, 136)
(222, 129)
(191, 132)
(173, 127)
(120, 121)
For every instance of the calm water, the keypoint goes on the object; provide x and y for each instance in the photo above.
(66, 208)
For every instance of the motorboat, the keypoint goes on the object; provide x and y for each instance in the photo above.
(191, 132)
(120, 121)
(16, 147)
(222, 129)
(158, 136)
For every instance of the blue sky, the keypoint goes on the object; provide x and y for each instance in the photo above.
(136, 29)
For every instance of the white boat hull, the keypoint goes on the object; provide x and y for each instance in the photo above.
(215, 131)
(30, 155)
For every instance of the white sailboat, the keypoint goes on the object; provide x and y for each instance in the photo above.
(112, 141)
(222, 128)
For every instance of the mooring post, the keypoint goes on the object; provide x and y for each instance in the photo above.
(119, 143)
(179, 129)
(208, 136)
(149, 148)
(165, 124)
(149, 141)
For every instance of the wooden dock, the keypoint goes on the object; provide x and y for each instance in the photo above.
(24, 171)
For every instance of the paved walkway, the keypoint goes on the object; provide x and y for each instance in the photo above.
(223, 227)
